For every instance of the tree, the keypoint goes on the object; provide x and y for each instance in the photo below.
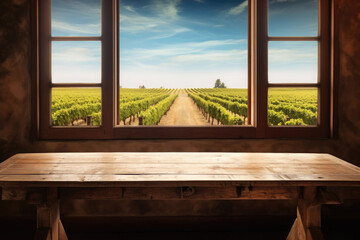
(219, 84)
(142, 86)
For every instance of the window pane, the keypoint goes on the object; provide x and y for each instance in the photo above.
(76, 62)
(76, 106)
(182, 45)
(76, 18)
(293, 106)
(293, 18)
(293, 62)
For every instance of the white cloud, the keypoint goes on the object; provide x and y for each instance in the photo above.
(170, 33)
(75, 54)
(292, 65)
(238, 9)
(76, 28)
(76, 17)
(172, 50)
(215, 43)
(212, 56)
(163, 23)
(293, 75)
(76, 64)
(288, 55)
(129, 8)
(77, 8)
(282, 1)
(78, 74)
(166, 8)
(137, 23)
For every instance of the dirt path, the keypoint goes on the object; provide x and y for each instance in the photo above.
(183, 112)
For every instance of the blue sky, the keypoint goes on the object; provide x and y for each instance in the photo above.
(183, 43)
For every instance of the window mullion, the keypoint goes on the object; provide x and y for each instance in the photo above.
(324, 66)
(261, 69)
(250, 63)
(45, 64)
(107, 66)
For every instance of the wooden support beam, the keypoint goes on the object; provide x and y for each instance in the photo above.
(344, 193)
(48, 216)
(62, 233)
(30, 195)
(13, 193)
(328, 197)
(307, 225)
(309, 221)
(297, 231)
(176, 193)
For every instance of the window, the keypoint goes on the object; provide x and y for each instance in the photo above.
(289, 48)
(98, 58)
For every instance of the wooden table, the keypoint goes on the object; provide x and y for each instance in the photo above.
(45, 178)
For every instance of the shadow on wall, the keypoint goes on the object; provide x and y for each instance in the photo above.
(14, 75)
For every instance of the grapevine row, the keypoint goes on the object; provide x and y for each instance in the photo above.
(235, 107)
(65, 116)
(215, 111)
(292, 112)
(131, 109)
(152, 115)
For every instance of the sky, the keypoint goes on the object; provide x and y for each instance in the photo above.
(183, 43)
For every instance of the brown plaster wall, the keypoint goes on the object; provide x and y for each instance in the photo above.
(349, 80)
(14, 76)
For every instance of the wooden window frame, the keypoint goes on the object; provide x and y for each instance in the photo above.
(46, 131)
(322, 130)
(257, 85)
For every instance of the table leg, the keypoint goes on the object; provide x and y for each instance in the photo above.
(49, 225)
(307, 225)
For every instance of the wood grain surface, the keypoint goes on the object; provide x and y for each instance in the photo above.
(176, 169)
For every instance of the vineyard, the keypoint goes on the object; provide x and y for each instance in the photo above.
(292, 106)
(219, 106)
(69, 106)
(72, 107)
(141, 102)
(286, 106)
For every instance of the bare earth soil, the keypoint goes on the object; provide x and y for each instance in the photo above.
(183, 112)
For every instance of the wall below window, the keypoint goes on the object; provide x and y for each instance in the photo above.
(15, 99)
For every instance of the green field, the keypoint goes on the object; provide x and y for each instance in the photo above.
(225, 106)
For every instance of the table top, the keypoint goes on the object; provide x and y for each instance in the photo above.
(175, 169)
